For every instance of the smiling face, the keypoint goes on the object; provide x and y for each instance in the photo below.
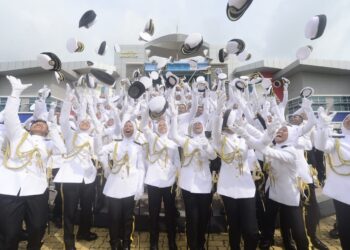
(84, 125)
(110, 122)
(39, 128)
(181, 108)
(162, 127)
(199, 111)
(296, 119)
(346, 122)
(282, 135)
(128, 129)
(197, 128)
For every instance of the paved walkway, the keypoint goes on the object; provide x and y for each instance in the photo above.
(216, 241)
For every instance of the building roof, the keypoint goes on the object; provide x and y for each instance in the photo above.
(285, 68)
(317, 66)
(71, 70)
(270, 65)
(170, 45)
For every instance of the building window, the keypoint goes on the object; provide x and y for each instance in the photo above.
(294, 105)
(2, 103)
(341, 103)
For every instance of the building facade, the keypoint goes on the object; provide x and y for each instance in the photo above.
(329, 79)
(30, 72)
(144, 57)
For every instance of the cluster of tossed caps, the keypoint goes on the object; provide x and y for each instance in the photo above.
(50, 61)
(142, 83)
(314, 29)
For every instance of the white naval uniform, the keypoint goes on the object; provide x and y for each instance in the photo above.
(336, 186)
(162, 167)
(195, 175)
(128, 181)
(78, 166)
(283, 174)
(31, 179)
(233, 182)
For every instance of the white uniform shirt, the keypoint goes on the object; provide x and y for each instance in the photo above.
(78, 166)
(195, 175)
(23, 171)
(283, 175)
(235, 179)
(337, 186)
(123, 180)
(163, 160)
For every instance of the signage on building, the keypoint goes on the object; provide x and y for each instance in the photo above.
(128, 54)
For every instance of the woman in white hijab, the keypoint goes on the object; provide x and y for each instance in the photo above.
(124, 169)
(235, 185)
(163, 163)
(337, 184)
(282, 192)
(195, 178)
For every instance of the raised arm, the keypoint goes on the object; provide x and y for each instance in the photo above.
(217, 123)
(323, 141)
(65, 113)
(306, 106)
(194, 106)
(11, 119)
(58, 143)
(173, 128)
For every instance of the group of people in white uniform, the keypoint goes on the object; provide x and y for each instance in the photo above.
(164, 143)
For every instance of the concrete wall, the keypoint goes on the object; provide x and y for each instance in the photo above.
(37, 80)
(130, 54)
(327, 84)
(324, 84)
(296, 84)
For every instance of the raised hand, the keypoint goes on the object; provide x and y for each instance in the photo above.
(17, 86)
(239, 130)
(323, 119)
(44, 92)
(306, 105)
(272, 127)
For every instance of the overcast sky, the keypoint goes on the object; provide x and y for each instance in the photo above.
(270, 28)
